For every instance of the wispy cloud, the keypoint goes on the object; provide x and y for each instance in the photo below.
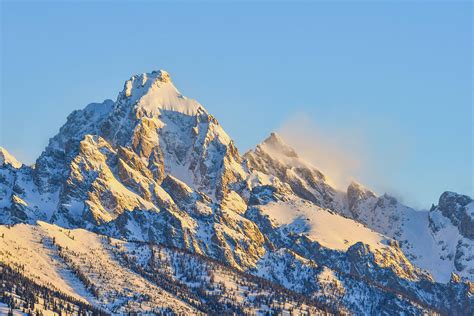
(341, 154)
(347, 153)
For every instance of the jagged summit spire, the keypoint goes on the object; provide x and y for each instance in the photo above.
(357, 192)
(358, 185)
(275, 143)
(155, 91)
(274, 138)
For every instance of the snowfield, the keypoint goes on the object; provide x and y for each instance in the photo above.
(328, 228)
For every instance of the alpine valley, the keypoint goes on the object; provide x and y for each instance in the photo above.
(144, 205)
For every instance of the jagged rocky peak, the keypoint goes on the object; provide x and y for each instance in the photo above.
(356, 192)
(275, 158)
(460, 211)
(150, 132)
(8, 159)
(274, 143)
(450, 202)
(359, 189)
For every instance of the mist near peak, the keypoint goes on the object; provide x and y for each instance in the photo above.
(345, 153)
(339, 154)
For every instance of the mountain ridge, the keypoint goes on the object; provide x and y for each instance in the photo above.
(155, 167)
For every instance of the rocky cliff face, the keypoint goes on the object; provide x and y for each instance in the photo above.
(437, 240)
(459, 209)
(155, 167)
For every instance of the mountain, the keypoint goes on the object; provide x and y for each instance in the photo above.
(274, 157)
(144, 204)
(7, 158)
(440, 240)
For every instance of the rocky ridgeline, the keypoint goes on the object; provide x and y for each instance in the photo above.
(156, 167)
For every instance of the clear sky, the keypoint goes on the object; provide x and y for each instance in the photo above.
(388, 85)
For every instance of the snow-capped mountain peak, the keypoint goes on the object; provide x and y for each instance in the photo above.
(7, 158)
(154, 167)
(155, 91)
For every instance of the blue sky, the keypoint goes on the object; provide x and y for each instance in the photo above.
(389, 83)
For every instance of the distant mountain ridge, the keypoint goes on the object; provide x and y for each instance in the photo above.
(155, 168)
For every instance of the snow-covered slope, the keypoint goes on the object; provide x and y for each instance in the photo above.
(131, 192)
(327, 228)
(122, 277)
